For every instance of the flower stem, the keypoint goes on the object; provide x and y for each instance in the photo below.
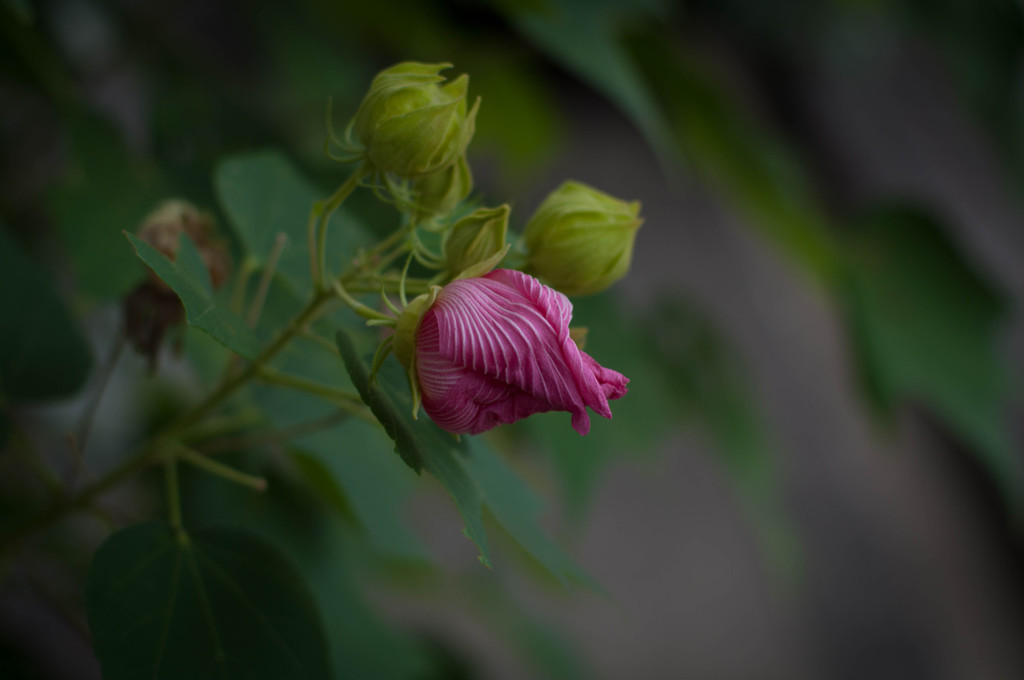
(389, 285)
(329, 208)
(128, 468)
(219, 469)
(173, 491)
(321, 341)
(256, 308)
(307, 315)
(150, 454)
(89, 415)
(328, 393)
(284, 434)
(343, 399)
(357, 306)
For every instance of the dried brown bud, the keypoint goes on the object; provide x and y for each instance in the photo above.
(163, 227)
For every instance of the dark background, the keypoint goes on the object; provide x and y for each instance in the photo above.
(867, 526)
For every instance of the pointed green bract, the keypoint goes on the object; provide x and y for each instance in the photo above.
(165, 604)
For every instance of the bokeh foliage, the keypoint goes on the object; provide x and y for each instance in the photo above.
(232, 117)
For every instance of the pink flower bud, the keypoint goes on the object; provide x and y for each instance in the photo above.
(495, 349)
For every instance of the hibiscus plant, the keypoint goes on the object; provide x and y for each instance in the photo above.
(478, 319)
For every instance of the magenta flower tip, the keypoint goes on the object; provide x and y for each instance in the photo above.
(495, 349)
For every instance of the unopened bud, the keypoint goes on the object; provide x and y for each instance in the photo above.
(580, 240)
(475, 238)
(410, 125)
(438, 194)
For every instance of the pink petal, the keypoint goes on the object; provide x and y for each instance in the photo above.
(495, 349)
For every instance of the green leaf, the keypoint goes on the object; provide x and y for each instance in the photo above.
(264, 195)
(189, 278)
(42, 353)
(350, 462)
(324, 549)
(213, 603)
(474, 476)
(105, 191)
(925, 325)
(419, 442)
(583, 36)
(551, 651)
(518, 511)
(373, 483)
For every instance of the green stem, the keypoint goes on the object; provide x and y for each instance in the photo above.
(323, 342)
(285, 434)
(150, 454)
(128, 468)
(394, 239)
(385, 260)
(89, 415)
(357, 306)
(306, 316)
(412, 286)
(329, 208)
(224, 424)
(256, 308)
(220, 469)
(21, 444)
(314, 217)
(173, 492)
(349, 401)
(241, 284)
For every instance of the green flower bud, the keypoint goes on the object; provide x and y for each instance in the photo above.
(410, 125)
(438, 194)
(580, 240)
(475, 238)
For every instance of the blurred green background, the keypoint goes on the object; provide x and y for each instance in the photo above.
(818, 469)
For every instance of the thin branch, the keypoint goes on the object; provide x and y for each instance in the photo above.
(89, 415)
(256, 308)
(173, 491)
(284, 434)
(317, 339)
(220, 469)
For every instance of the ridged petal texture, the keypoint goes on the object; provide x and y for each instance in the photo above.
(494, 349)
